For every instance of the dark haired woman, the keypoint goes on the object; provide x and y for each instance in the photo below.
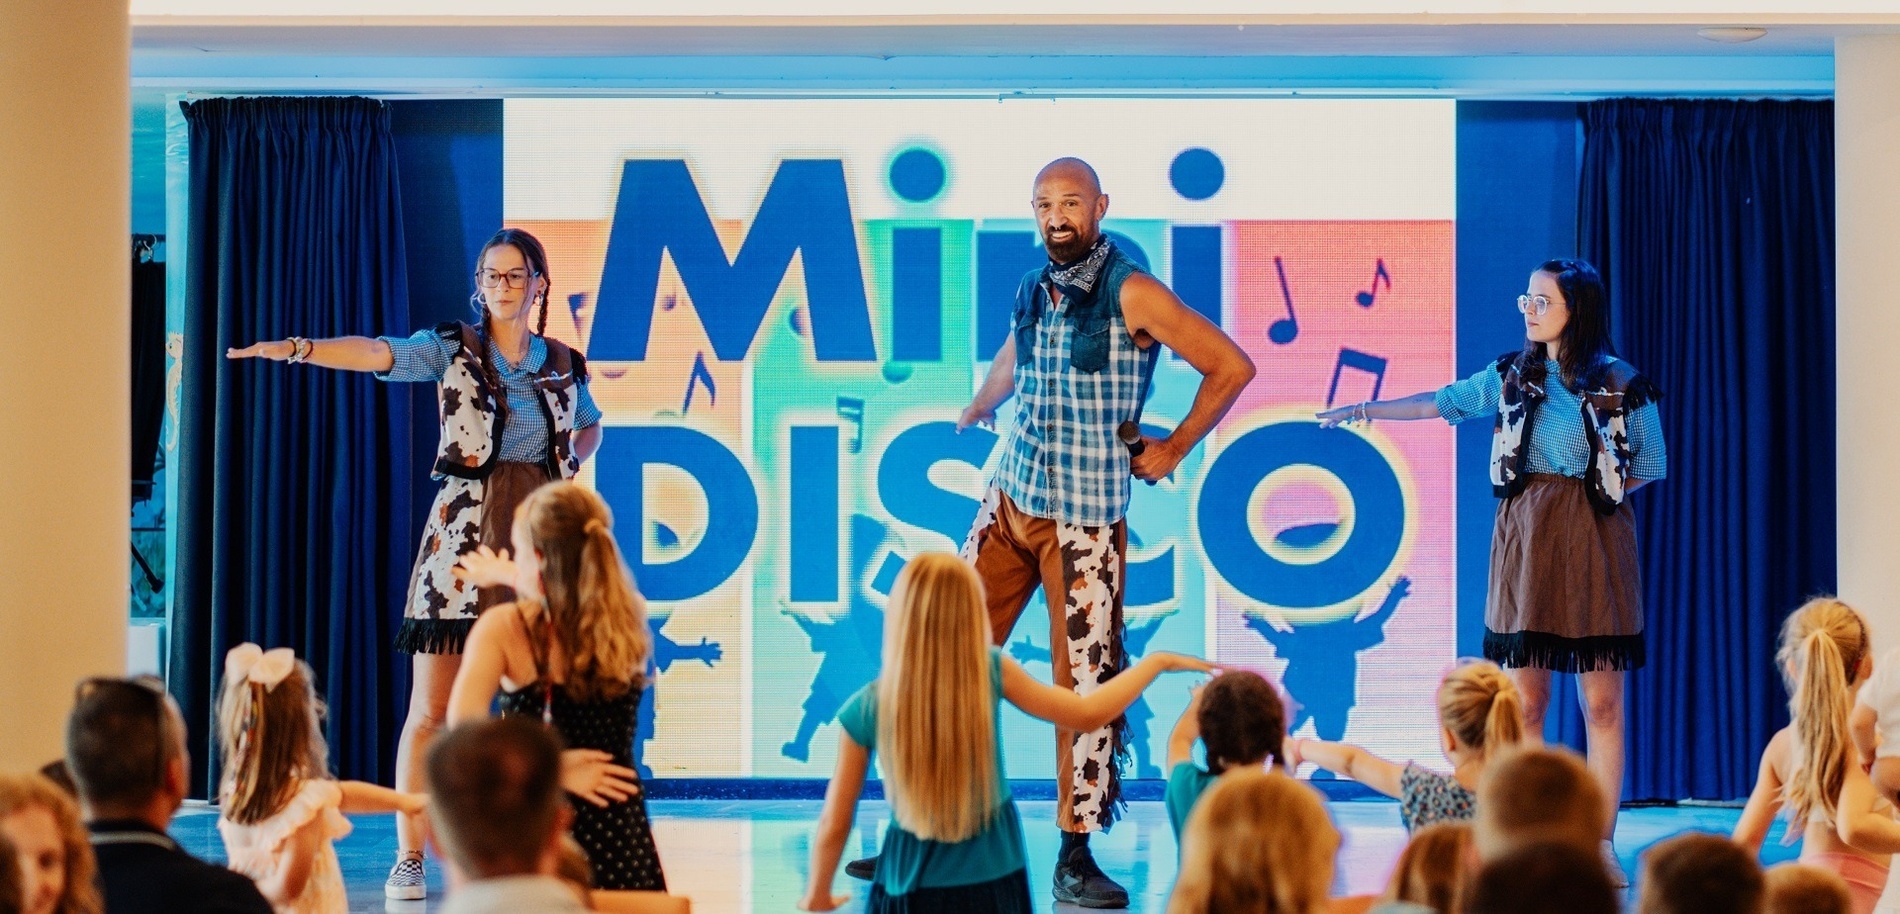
(1576, 430)
(515, 414)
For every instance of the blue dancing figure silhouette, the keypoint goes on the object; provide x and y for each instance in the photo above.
(851, 646)
(666, 652)
(1135, 639)
(1322, 662)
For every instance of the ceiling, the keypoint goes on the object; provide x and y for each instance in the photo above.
(619, 55)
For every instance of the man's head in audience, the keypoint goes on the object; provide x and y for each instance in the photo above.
(1694, 872)
(1537, 795)
(1794, 888)
(1543, 878)
(495, 798)
(125, 749)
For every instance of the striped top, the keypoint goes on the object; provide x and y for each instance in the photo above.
(1558, 444)
(425, 356)
(1062, 460)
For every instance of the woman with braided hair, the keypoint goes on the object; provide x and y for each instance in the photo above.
(515, 414)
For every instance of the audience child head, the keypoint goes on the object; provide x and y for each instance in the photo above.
(1479, 711)
(1535, 795)
(1694, 872)
(1825, 655)
(270, 732)
(50, 847)
(495, 798)
(1794, 888)
(568, 562)
(1242, 721)
(1434, 868)
(125, 751)
(936, 734)
(1544, 878)
(1258, 841)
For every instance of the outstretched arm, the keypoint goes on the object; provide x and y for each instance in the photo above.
(1351, 761)
(1095, 710)
(997, 386)
(1150, 308)
(1417, 406)
(1186, 731)
(834, 825)
(1764, 801)
(364, 797)
(348, 353)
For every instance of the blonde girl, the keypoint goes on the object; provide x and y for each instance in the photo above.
(955, 841)
(1479, 715)
(1810, 770)
(572, 652)
(51, 846)
(278, 807)
(1259, 842)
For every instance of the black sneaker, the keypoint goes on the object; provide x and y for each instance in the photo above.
(861, 869)
(1080, 882)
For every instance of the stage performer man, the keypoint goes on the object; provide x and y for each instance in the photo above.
(1085, 333)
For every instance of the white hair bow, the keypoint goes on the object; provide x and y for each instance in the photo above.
(248, 662)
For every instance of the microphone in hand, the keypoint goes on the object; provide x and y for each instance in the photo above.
(1130, 434)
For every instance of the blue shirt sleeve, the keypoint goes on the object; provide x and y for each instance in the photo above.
(1649, 457)
(585, 412)
(423, 356)
(858, 717)
(1473, 397)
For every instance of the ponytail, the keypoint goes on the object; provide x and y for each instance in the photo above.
(1504, 725)
(1822, 646)
(1480, 705)
(597, 614)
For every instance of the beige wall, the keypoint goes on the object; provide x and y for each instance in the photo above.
(65, 128)
(1867, 200)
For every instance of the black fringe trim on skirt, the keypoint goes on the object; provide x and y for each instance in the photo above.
(1564, 655)
(433, 636)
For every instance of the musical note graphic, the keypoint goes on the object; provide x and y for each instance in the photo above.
(700, 374)
(851, 409)
(1286, 329)
(1371, 294)
(1361, 361)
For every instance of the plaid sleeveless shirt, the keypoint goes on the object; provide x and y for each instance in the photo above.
(1078, 376)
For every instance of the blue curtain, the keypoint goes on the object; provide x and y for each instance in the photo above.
(295, 497)
(1713, 224)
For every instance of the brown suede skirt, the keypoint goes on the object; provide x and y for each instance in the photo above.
(1565, 592)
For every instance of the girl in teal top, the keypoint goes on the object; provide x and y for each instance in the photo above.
(955, 843)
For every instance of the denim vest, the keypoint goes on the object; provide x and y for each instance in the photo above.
(1078, 376)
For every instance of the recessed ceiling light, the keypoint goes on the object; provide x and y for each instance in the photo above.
(1732, 35)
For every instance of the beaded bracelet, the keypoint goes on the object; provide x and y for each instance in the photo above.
(300, 349)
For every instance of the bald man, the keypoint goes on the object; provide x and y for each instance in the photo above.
(1084, 335)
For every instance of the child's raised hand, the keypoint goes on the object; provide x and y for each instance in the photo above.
(486, 568)
(592, 775)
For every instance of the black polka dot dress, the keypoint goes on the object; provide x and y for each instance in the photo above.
(617, 838)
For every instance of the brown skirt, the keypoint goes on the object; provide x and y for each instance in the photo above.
(502, 492)
(1565, 591)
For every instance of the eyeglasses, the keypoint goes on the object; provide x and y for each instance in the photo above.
(517, 279)
(1538, 304)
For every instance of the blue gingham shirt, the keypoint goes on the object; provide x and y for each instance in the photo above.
(1558, 444)
(1062, 460)
(524, 437)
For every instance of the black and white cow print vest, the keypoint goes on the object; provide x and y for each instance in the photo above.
(473, 412)
(1608, 394)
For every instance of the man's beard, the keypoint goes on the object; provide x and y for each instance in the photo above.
(1073, 249)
